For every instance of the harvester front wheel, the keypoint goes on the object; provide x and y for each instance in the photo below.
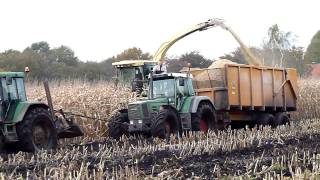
(37, 131)
(164, 123)
(204, 119)
(118, 125)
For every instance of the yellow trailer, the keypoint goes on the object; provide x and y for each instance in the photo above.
(246, 92)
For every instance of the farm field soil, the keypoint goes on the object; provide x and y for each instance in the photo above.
(288, 151)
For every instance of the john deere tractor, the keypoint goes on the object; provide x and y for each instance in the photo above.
(29, 126)
(171, 107)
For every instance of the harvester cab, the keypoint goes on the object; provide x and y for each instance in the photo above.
(134, 73)
(29, 126)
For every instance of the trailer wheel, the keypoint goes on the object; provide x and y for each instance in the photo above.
(118, 125)
(164, 123)
(281, 118)
(265, 119)
(37, 131)
(204, 119)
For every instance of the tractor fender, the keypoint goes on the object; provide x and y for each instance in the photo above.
(23, 107)
(196, 100)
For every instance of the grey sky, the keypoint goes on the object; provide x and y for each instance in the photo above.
(98, 29)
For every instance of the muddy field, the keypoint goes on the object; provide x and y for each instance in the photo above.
(288, 151)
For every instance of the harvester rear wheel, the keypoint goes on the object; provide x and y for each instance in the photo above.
(37, 131)
(164, 123)
(118, 125)
(204, 119)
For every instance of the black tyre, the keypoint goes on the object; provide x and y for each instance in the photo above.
(204, 119)
(281, 118)
(265, 119)
(118, 125)
(165, 123)
(37, 131)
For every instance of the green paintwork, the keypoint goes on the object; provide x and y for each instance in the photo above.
(18, 111)
(153, 105)
(12, 74)
(186, 105)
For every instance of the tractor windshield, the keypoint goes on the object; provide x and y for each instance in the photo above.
(163, 88)
(13, 90)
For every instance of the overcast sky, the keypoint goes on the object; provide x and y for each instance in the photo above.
(99, 29)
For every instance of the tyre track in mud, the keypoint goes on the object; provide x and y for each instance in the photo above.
(236, 162)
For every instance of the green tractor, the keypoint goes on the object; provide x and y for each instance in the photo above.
(171, 107)
(30, 126)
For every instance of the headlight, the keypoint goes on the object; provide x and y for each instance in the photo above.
(139, 121)
(131, 122)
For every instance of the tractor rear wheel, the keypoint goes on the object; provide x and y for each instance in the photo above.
(204, 119)
(37, 131)
(165, 123)
(118, 125)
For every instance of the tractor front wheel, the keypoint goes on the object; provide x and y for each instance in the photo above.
(37, 131)
(118, 125)
(164, 123)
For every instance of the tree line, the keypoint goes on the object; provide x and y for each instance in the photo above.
(277, 49)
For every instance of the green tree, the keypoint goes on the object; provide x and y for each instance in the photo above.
(64, 54)
(133, 54)
(313, 51)
(194, 58)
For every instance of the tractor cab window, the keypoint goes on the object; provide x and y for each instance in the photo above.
(184, 86)
(163, 88)
(13, 90)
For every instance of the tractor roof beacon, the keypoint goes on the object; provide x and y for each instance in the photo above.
(29, 126)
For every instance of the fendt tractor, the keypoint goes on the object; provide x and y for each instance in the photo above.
(212, 98)
(30, 126)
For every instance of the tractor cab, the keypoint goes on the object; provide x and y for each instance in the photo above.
(12, 92)
(170, 85)
(134, 73)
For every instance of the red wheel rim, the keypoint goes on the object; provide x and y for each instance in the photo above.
(203, 125)
(167, 128)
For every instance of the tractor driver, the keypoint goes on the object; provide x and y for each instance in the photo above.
(161, 67)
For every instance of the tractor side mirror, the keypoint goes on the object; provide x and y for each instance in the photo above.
(8, 80)
(181, 82)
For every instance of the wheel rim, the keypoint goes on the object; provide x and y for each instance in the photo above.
(203, 125)
(40, 137)
(167, 129)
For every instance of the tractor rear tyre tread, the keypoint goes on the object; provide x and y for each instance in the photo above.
(165, 117)
(117, 125)
(37, 118)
